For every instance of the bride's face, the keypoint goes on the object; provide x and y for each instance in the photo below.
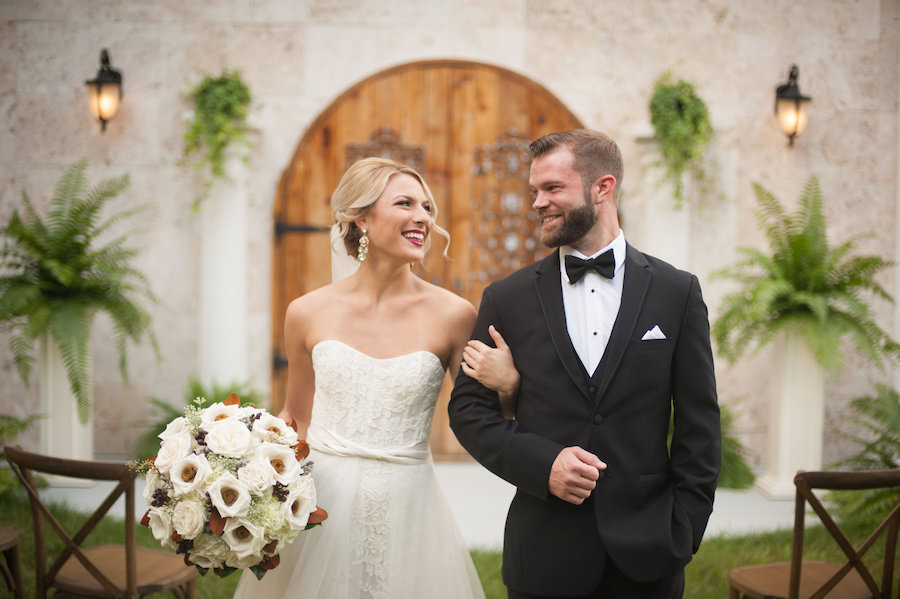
(400, 220)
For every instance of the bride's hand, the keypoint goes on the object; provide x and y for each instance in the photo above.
(493, 368)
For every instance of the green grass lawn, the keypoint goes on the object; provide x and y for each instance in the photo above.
(706, 574)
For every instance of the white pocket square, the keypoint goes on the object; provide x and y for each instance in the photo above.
(654, 333)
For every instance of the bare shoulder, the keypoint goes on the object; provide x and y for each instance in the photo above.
(310, 304)
(458, 311)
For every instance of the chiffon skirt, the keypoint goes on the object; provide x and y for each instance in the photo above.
(390, 534)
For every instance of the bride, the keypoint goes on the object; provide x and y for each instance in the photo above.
(367, 356)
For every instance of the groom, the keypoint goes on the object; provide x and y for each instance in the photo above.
(607, 349)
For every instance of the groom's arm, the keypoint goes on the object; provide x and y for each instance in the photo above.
(696, 451)
(500, 445)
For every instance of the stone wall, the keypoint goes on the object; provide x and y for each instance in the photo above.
(600, 57)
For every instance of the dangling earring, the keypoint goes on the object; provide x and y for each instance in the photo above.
(363, 246)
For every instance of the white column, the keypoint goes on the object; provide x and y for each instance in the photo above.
(223, 271)
(666, 230)
(796, 416)
(63, 434)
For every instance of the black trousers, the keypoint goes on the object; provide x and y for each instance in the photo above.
(614, 585)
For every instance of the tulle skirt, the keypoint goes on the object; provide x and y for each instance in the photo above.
(390, 534)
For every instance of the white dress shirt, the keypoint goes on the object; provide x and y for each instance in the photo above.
(592, 303)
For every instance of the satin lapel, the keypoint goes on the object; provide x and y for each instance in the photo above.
(634, 290)
(549, 292)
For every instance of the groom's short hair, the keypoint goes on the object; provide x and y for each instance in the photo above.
(596, 154)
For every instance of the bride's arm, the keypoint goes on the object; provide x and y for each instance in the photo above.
(300, 377)
(494, 368)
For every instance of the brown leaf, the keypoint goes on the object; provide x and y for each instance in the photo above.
(216, 522)
(145, 519)
(271, 562)
(318, 516)
(301, 449)
(270, 547)
(233, 399)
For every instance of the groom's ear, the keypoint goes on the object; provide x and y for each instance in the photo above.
(604, 188)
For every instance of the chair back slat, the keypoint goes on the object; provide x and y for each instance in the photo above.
(24, 464)
(805, 483)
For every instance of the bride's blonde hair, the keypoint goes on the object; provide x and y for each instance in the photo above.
(357, 191)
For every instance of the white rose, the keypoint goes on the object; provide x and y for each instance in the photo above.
(273, 429)
(189, 473)
(246, 541)
(152, 482)
(258, 475)
(229, 496)
(161, 526)
(282, 460)
(188, 518)
(228, 437)
(209, 551)
(219, 412)
(172, 449)
(176, 427)
(300, 503)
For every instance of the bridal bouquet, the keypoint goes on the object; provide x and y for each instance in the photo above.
(229, 487)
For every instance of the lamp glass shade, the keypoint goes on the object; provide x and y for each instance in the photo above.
(792, 115)
(104, 99)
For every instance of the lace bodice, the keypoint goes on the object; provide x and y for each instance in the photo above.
(373, 402)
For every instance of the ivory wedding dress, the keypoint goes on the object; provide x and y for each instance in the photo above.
(390, 533)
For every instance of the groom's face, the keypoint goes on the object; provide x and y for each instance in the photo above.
(563, 204)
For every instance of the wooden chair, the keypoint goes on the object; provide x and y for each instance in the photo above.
(122, 570)
(802, 579)
(11, 569)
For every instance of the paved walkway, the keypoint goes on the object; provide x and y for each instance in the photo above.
(479, 501)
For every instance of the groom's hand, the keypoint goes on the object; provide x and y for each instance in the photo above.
(574, 474)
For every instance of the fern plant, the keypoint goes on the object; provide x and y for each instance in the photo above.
(55, 275)
(878, 420)
(803, 282)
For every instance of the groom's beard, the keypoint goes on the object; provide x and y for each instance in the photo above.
(576, 224)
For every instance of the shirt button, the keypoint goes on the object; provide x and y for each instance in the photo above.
(598, 418)
(595, 333)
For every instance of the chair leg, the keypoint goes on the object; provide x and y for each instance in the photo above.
(12, 572)
(733, 593)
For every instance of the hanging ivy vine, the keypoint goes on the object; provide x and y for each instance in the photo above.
(681, 128)
(221, 105)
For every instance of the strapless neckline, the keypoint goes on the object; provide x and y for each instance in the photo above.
(370, 357)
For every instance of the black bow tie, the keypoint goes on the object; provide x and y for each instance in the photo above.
(604, 264)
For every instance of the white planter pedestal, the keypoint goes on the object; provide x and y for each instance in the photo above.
(63, 434)
(796, 416)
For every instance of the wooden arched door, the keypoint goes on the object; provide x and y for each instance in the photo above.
(465, 126)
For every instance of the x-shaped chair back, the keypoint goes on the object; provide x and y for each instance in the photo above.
(806, 483)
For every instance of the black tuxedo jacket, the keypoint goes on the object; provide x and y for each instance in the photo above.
(651, 505)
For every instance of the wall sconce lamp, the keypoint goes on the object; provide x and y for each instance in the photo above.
(790, 106)
(105, 91)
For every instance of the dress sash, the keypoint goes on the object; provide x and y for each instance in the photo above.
(326, 441)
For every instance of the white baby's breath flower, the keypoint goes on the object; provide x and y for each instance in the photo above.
(273, 429)
(218, 412)
(300, 503)
(245, 539)
(161, 525)
(188, 518)
(229, 496)
(229, 437)
(282, 460)
(173, 448)
(189, 473)
(209, 551)
(258, 475)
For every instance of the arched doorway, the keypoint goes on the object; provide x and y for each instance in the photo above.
(465, 126)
